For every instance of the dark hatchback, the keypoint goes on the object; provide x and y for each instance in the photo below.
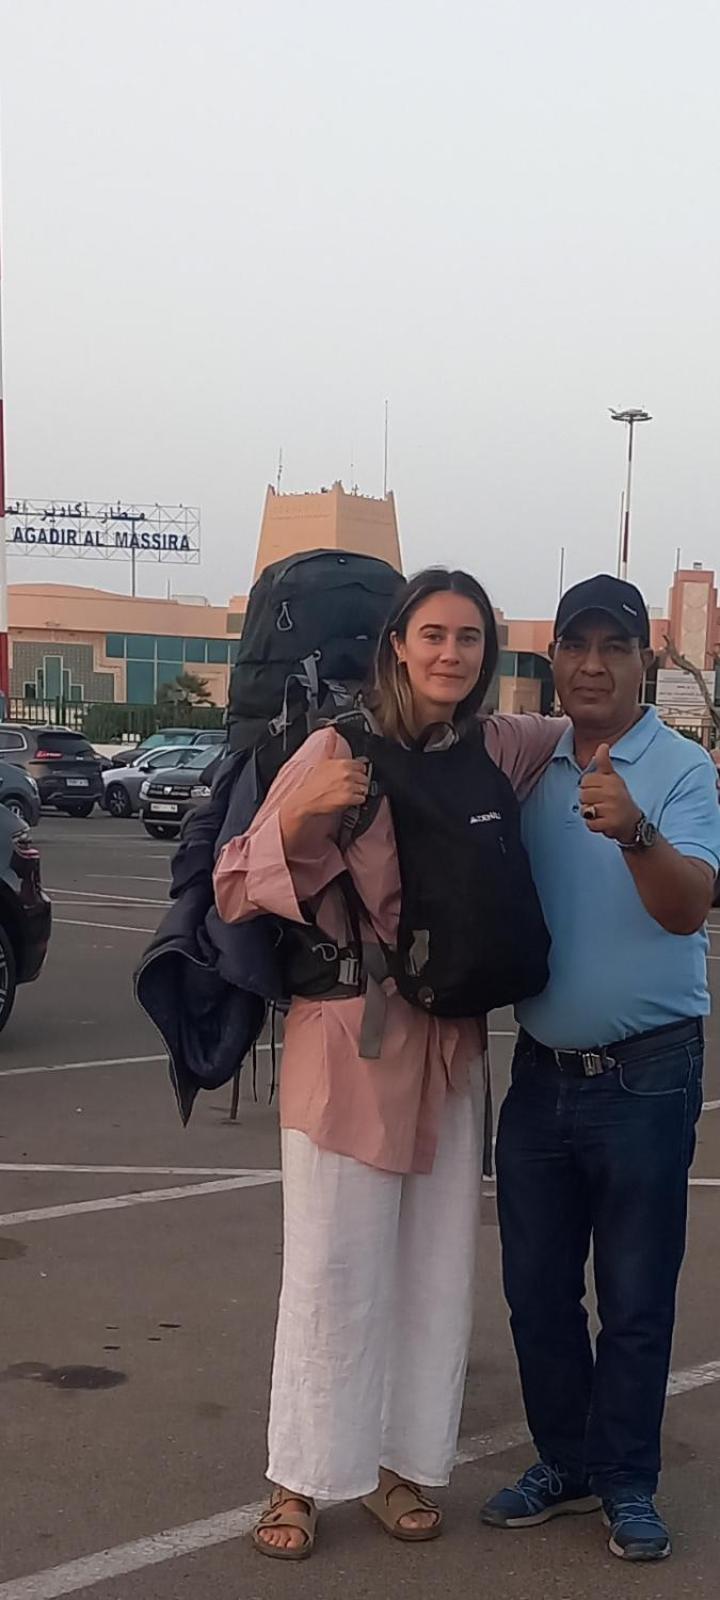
(25, 911)
(66, 769)
(19, 793)
(168, 796)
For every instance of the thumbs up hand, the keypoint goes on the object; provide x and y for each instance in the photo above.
(606, 802)
(602, 762)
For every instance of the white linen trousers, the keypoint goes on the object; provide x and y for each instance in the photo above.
(375, 1314)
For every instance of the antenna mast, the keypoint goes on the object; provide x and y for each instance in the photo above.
(385, 469)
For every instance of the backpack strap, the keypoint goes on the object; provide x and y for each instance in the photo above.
(309, 666)
(363, 964)
(373, 969)
(358, 728)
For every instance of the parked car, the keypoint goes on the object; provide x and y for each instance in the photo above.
(25, 911)
(123, 784)
(166, 738)
(19, 793)
(167, 797)
(65, 767)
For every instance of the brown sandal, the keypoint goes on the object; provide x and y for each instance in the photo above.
(277, 1517)
(396, 1498)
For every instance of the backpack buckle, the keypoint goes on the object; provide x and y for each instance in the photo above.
(349, 972)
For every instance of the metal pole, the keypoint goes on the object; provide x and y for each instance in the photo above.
(628, 492)
(620, 533)
(628, 418)
(4, 647)
(561, 582)
(385, 471)
(133, 568)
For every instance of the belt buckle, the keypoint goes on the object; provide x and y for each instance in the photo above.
(593, 1063)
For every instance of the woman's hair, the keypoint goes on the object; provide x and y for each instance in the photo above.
(391, 694)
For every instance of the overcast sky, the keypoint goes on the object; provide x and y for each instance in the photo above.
(235, 225)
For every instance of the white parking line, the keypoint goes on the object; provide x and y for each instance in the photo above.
(147, 1197)
(122, 877)
(149, 1172)
(111, 1061)
(711, 1105)
(78, 1066)
(112, 927)
(175, 1542)
(136, 843)
(97, 900)
(705, 1183)
(133, 1557)
(82, 905)
(694, 1378)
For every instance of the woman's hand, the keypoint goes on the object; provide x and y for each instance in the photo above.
(323, 790)
(332, 786)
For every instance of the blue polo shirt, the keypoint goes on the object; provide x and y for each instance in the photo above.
(613, 970)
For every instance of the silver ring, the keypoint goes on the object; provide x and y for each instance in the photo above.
(590, 814)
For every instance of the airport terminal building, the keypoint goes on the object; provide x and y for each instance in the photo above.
(83, 645)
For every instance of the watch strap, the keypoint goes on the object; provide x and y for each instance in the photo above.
(644, 837)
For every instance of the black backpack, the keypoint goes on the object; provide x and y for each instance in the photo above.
(309, 637)
(471, 936)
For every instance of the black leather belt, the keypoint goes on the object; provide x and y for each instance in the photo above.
(604, 1058)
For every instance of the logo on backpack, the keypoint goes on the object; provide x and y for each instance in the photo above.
(486, 816)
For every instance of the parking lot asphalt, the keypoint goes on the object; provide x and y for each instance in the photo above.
(139, 1267)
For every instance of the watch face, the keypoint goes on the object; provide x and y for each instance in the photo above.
(647, 833)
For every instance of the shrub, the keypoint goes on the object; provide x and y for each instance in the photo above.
(110, 723)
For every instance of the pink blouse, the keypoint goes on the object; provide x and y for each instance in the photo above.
(386, 1112)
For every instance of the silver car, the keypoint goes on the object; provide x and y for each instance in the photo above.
(122, 784)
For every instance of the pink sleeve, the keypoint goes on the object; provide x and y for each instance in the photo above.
(253, 874)
(522, 746)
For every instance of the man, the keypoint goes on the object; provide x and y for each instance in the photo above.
(597, 1134)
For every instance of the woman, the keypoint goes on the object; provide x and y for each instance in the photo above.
(381, 1163)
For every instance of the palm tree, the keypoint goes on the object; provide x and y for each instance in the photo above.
(185, 690)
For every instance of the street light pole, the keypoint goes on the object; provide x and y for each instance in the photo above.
(4, 645)
(629, 418)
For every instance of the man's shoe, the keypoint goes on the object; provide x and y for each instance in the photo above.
(637, 1532)
(541, 1493)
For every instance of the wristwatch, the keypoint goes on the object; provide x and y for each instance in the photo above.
(644, 837)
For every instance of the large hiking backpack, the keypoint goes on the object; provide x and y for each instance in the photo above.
(310, 631)
(471, 934)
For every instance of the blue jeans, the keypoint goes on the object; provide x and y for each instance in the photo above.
(604, 1159)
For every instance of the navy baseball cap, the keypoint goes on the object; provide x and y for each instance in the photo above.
(620, 600)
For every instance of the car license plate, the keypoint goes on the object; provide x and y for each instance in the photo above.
(167, 810)
(77, 783)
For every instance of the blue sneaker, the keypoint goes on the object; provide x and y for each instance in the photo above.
(637, 1532)
(541, 1493)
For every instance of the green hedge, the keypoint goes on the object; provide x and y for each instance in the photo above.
(111, 723)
